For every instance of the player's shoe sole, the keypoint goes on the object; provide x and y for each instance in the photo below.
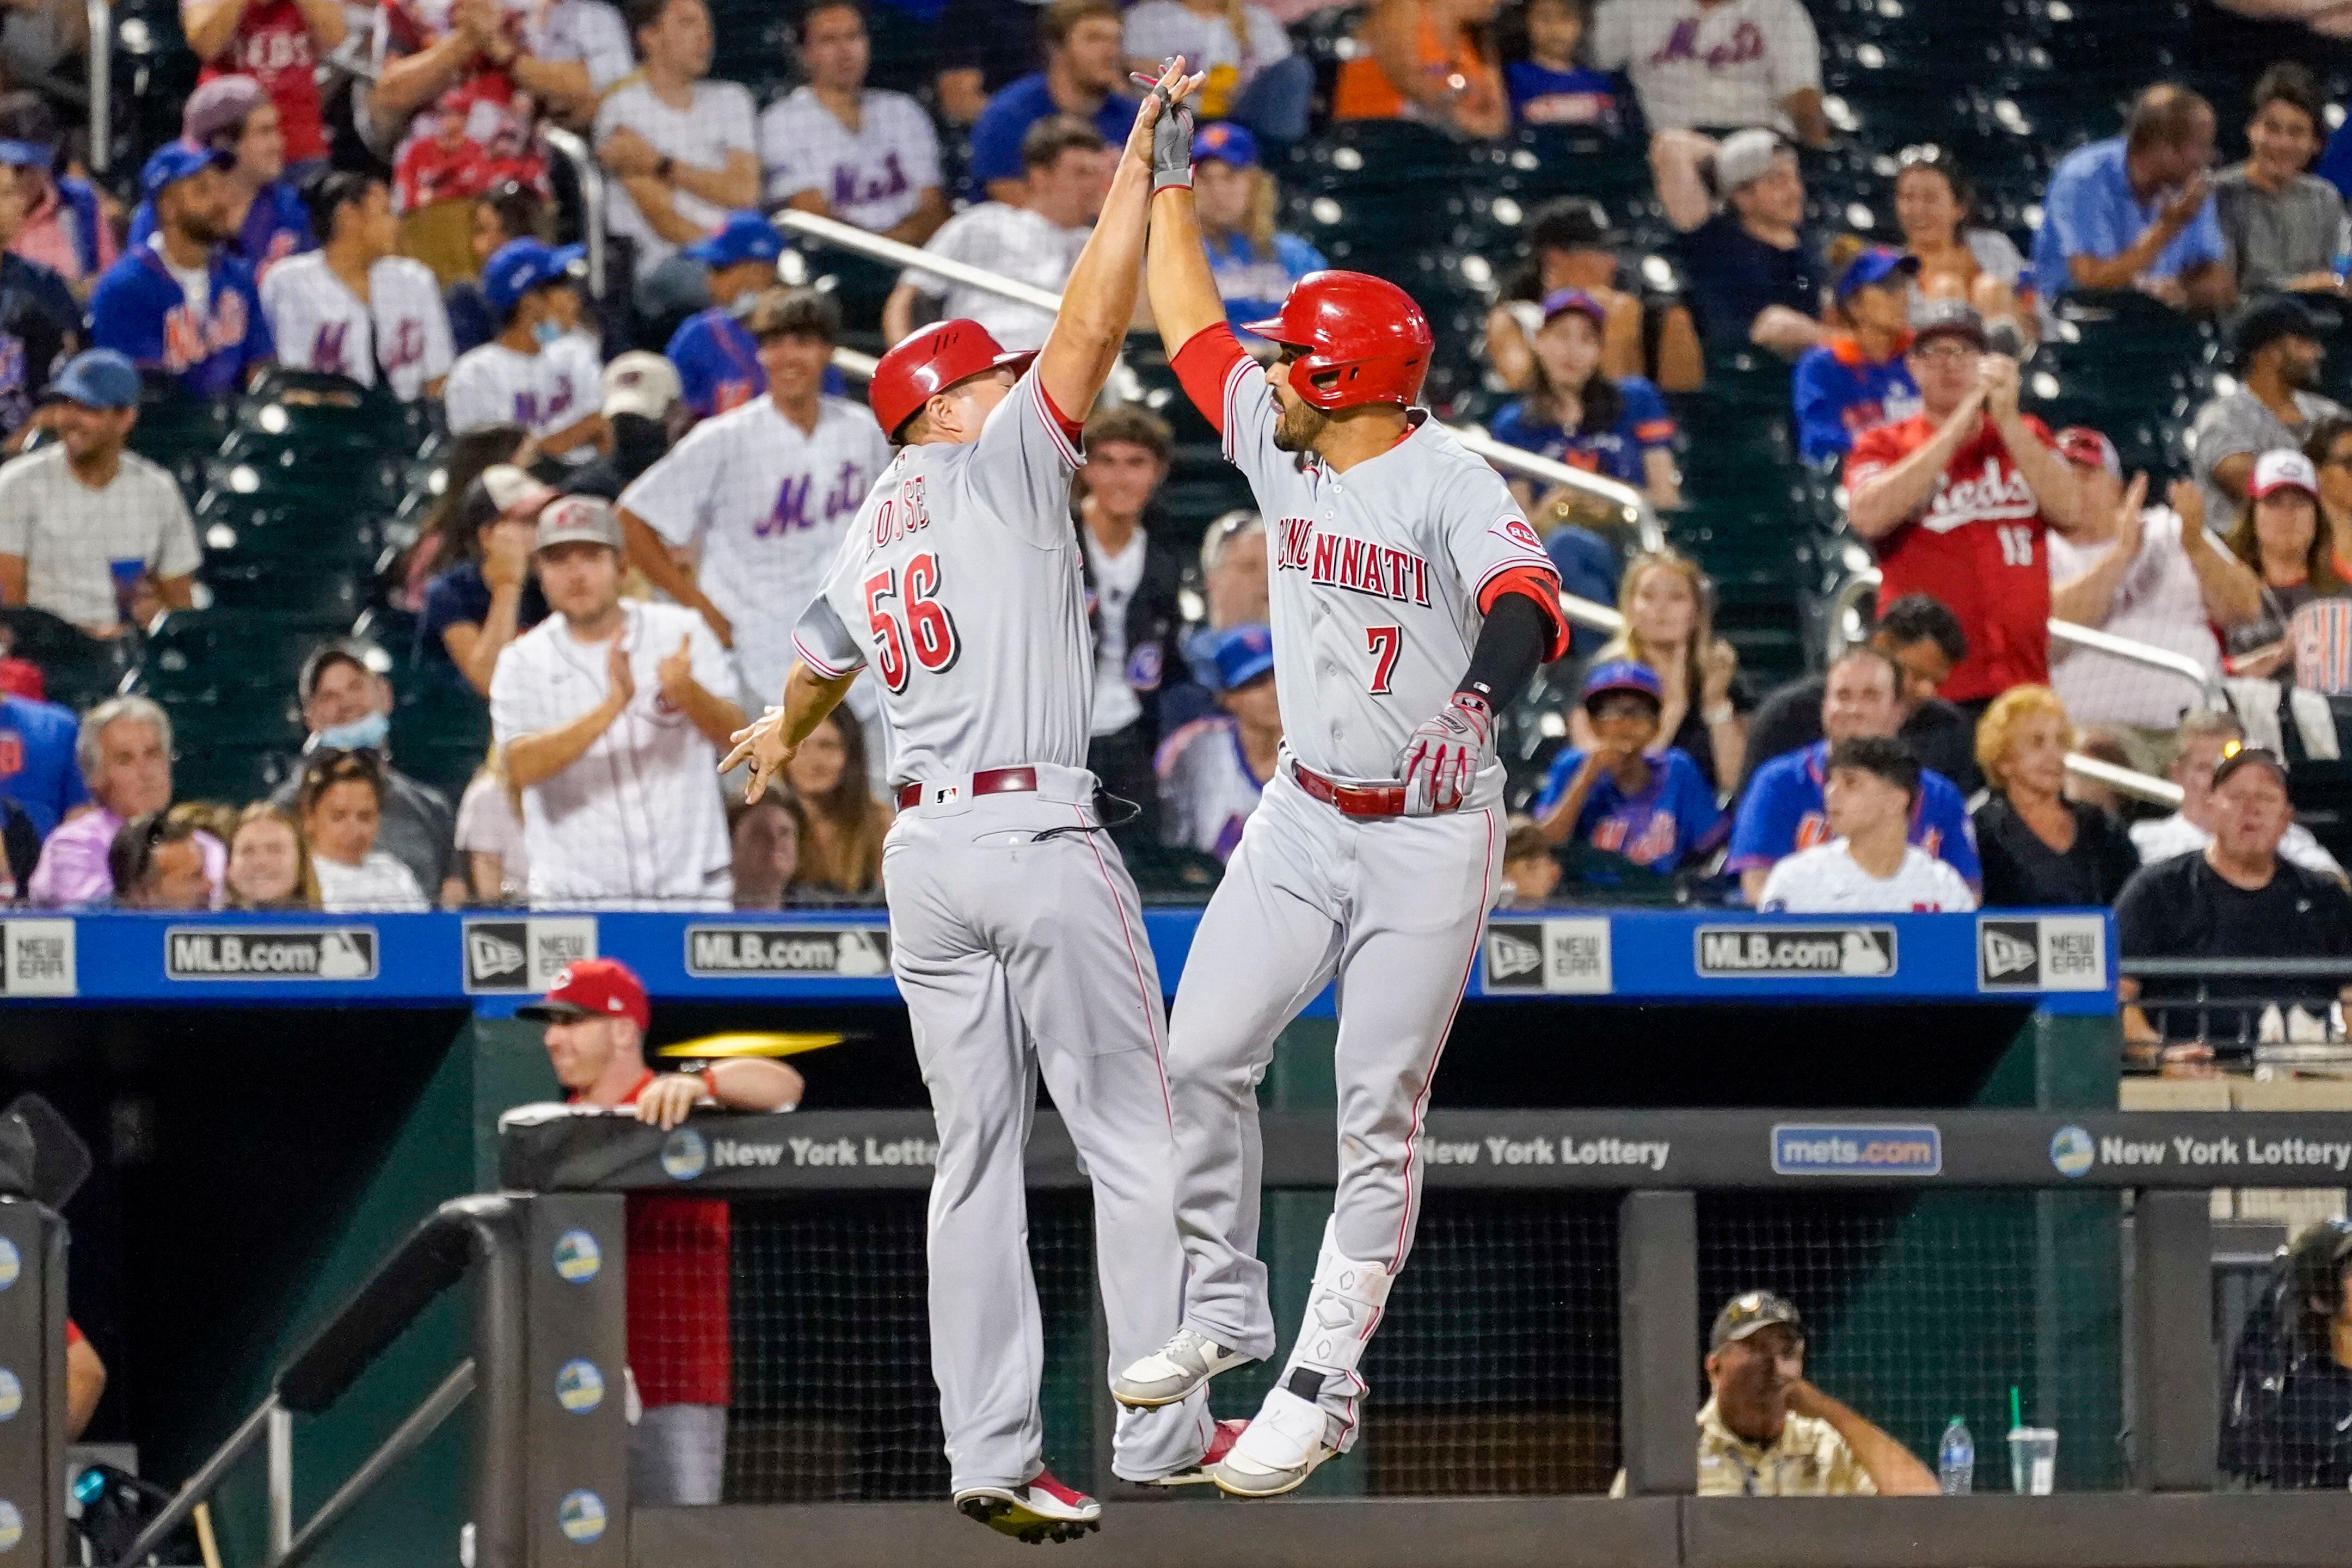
(1221, 1443)
(1041, 1511)
(1255, 1483)
(1170, 1374)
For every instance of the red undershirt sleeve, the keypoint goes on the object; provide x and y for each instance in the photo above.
(1204, 365)
(1539, 585)
(1072, 428)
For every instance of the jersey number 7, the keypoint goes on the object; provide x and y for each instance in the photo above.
(1383, 641)
(927, 629)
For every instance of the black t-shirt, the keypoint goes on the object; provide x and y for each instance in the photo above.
(458, 597)
(1939, 734)
(1734, 276)
(2300, 1437)
(2182, 908)
(2021, 872)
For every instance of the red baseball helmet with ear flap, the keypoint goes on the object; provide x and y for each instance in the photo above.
(1363, 339)
(931, 361)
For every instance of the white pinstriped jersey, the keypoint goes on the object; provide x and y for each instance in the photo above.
(1206, 789)
(638, 817)
(715, 125)
(766, 502)
(543, 393)
(958, 584)
(1375, 577)
(401, 327)
(872, 176)
(1828, 880)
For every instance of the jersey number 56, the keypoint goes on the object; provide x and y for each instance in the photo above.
(928, 631)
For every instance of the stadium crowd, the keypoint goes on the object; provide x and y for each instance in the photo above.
(619, 476)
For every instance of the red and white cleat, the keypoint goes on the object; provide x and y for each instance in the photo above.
(1221, 1443)
(1041, 1511)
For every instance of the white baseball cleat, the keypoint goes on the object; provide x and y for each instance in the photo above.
(1039, 1511)
(1279, 1449)
(1221, 1443)
(1173, 1371)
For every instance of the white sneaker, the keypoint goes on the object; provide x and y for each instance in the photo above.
(1173, 1371)
(1281, 1447)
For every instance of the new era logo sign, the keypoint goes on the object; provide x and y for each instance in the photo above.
(1556, 957)
(522, 957)
(2012, 952)
(2050, 953)
(1510, 953)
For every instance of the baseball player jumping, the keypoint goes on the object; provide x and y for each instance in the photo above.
(1411, 604)
(1015, 933)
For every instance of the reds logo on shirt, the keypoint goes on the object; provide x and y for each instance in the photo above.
(1996, 494)
(1517, 530)
(1360, 565)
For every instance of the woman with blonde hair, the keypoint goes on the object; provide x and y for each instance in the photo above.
(270, 861)
(1668, 606)
(842, 850)
(2041, 849)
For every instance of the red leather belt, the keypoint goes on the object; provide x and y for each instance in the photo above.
(1351, 800)
(987, 781)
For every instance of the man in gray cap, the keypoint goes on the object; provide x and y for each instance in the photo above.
(612, 726)
(2277, 343)
(1764, 1431)
(1756, 276)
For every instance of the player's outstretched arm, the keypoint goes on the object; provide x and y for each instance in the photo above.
(768, 742)
(1099, 301)
(1177, 280)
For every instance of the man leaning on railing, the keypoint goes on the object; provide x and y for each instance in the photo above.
(1766, 1431)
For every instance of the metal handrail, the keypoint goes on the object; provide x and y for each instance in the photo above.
(99, 16)
(1848, 599)
(2125, 780)
(1631, 504)
(592, 201)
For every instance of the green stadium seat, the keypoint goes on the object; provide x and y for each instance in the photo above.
(300, 588)
(203, 769)
(77, 669)
(440, 726)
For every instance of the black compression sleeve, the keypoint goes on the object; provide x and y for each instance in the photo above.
(1511, 649)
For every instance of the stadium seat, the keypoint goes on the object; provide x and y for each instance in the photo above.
(77, 669)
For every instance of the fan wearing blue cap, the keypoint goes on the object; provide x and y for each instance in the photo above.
(180, 305)
(1213, 770)
(1650, 807)
(268, 219)
(1573, 412)
(1254, 261)
(1852, 381)
(718, 361)
(535, 373)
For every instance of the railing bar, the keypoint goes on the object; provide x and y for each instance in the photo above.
(202, 1485)
(405, 1440)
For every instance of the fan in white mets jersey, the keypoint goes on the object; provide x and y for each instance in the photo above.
(1015, 934)
(1410, 601)
(352, 307)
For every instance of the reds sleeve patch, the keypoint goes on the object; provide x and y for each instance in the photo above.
(1517, 530)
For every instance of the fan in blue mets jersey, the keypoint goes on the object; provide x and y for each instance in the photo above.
(1411, 602)
(1015, 936)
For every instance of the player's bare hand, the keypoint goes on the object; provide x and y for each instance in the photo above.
(760, 743)
(1441, 757)
(622, 680)
(676, 672)
(669, 1099)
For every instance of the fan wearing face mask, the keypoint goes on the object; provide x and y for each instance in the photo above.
(346, 706)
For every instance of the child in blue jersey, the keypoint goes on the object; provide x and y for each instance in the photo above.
(1654, 810)
(1574, 414)
(1254, 262)
(1550, 85)
(1857, 380)
(181, 304)
(718, 361)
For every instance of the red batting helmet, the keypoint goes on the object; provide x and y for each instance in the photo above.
(1364, 334)
(929, 362)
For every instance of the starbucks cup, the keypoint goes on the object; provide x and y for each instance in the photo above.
(2032, 1460)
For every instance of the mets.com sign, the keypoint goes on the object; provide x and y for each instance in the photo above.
(1814, 1149)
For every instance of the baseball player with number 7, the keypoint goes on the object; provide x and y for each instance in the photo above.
(1411, 604)
(1015, 933)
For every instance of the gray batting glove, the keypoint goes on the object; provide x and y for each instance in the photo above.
(1171, 143)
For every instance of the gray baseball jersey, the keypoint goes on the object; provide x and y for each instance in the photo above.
(400, 331)
(1016, 932)
(960, 579)
(1376, 576)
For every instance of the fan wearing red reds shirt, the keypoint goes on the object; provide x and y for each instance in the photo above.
(680, 1355)
(1957, 500)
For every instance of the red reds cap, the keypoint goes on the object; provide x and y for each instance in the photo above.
(2081, 443)
(2285, 469)
(593, 987)
(933, 360)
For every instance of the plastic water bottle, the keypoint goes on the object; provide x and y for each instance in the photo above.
(1956, 1460)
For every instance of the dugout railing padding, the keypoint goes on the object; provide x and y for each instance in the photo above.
(2171, 1516)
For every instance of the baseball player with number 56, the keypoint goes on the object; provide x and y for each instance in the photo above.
(1411, 604)
(1015, 933)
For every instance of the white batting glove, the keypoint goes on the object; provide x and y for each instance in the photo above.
(1441, 757)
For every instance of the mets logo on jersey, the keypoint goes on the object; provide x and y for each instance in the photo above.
(1360, 565)
(190, 340)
